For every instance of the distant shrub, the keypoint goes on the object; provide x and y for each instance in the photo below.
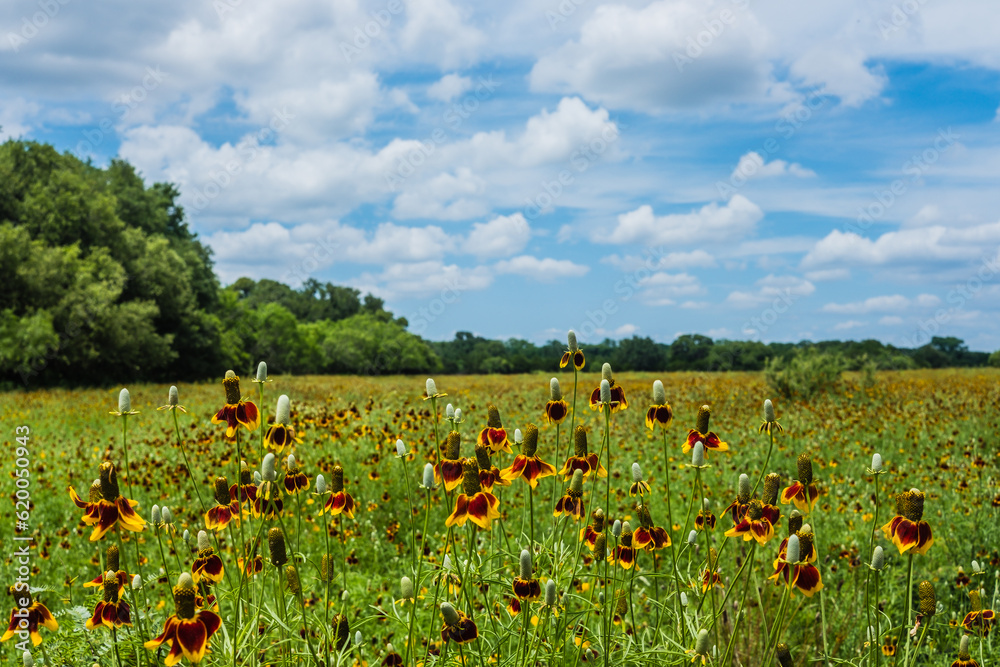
(807, 373)
(995, 359)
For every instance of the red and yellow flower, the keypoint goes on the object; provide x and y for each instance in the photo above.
(757, 523)
(295, 480)
(111, 611)
(449, 467)
(556, 410)
(227, 507)
(573, 353)
(907, 530)
(701, 434)
(647, 535)
(802, 492)
(489, 474)
(458, 627)
(112, 560)
(494, 435)
(527, 465)
(589, 533)
(624, 553)
(107, 507)
(710, 576)
(236, 411)
(187, 632)
(979, 621)
(340, 501)
(475, 504)
(618, 401)
(37, 615)
(802, 574)
(571, 503)
(279, 436)
(659, 413)
(207, 565)
(582, 459)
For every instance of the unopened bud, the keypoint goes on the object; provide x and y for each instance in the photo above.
(124, 401)
(203, 541)
(406, 587)
(168, 517)
(27, 660)
(283, 412)
(525, 564)
(458, 416)
(321, 483)
(698, 455)
(555, 391)
(684, 599)
(792, 551)
(876, 462)
(186, 536)
(975, 567)
(262, 372)
(172, 398)
(400, 448)
(290, 462)
(358, 638)
(550, 593)
(769, 411)
(659, 394)
(155, 516)
(518, 436)
(963, 648)
(571, 341)
(267, 471)
(692, 537)
(616, 528)
(744, 489)
(878, 559)
(449, 411)
(430, 387)
(636, 473)
(136, 582)
(449, 613)
(701, 644)
(605, 391)
(428, 480)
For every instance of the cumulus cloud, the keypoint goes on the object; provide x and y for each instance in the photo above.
(929, 244)
(500, 237)
(712, 222)
(752, 165)
(449, 87)
(663, 289)
(542, 270)
(787, 289)
(669, 262)
(881, 304)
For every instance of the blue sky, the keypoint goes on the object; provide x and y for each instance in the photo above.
(744, 169)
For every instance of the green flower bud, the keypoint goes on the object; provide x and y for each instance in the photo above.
(605, 390)
(267, 471)
(124, 401)
(769, 411)
(659, 394)
(172, 398)
(698, 455)
(430, 387)
(878, 559)
(203, 541)
(571, 341)
(406, 587)
(876, 462)
(792, 551)
(262, 372)
(525, 564)
(606, 372)
(701, 643)
(428, 480)
(576, 482)
(450, 615)
(321, 484)
(550, 593)
(555, 392)
(282, 414)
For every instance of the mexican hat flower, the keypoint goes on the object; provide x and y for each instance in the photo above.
(640, 486)
(571, 503)
(207, 565)
(236, 411)
(979, 621)
(792, 565)
(187, 632)
(280, 434)
(431, 390)
(246, 490)
(647, 535)
(757, 523)
(489, 474)
(458, 627)
(582, 459)
(738, 508)
(227, 507)
(556, 410)
(770, 422)
(494, 435)
(701, 434)
(295, 480)
(659, 413)
(253, 562)
(475, 504)
(107, 507)
(112, 561)
(527, 465)
(573, 353)
(705, 518)
(802, 492)
(340, 501)
(589, 533)
(907, 530)
(618, 401)
(111, 611)
(710, 576)
(172, 401)
(268, 502)
(526, 587)
(37, 615)
(964, 658)
(624, 553)
(449, 468)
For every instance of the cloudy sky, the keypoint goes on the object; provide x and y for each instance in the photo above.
(751, 169)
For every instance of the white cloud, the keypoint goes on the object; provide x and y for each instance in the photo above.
(711, 222)
(500, 237)
(928, 300)
(752, 165)
(543, 270)
(876, 304)
(828, 274)
(663, 289)
(439, 32)
(849, 324)
(890, 320)
(772, 289)
(424, 279)
(14, 116)
(668, 262)
(449, 87)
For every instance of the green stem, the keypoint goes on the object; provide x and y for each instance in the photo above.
(908, 606)
(670, 531)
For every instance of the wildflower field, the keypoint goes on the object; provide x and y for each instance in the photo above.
(724, 531)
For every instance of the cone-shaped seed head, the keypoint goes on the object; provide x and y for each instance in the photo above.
(428, 480)
(692, 537)
(580, 441)
(878, 559)
(769, 411)
(876, 462)
(267, 471)
(232, 386)
(698, 454)
(525, 564)
(975, 600)
(713, 558)
(276, 546)
(645, 520)
(449, 411)
(636, 473)
(805, 468)
(430, 387)
(94, 492)
(483, 457)
(597, 520)
(744, 489)
(755, 510)
(771, 484)
(784, 655)
(576, 482)
(963, 648)
(792, 553)
(337, 479)
(321, 482)
(246, 475)
(449, 613)
(326, 568)
(913, 504)
(172, 397)
(621, 604)
(530, 444)
(600, 547)
(342, 628)
(555, 391)
(282, 414)
(928, 601)
(110, 586)
(626, 529)
(109, 481)
(185, 581)
(704, 412)
(452, 446)
(794, 522)
(470, 477)
(406, 587)
(262, 372)
(616, 528)
(203, 541)
(292, 580)
(605, 391)
(124, 401)
(400, 448)
(550, 592)
(222, 491)
(701, 644)
(659, 394)
(230, 374)
(113, 557)
(571, 341)
(805, 541)
(493, 416)
(155, 516)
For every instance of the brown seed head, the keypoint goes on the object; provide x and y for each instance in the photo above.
(805, 544)
(756, 510)
(805, 466)
(645, 520)
(342, 629)
(704, 412)
(913, 505)
(109, 481)
(452, 446)
(326, 568)
(530, 444)
(784, 655)
(771, 484)
(794, 522)
(184, 600)
(601, 547)
(292, 579)
(222, 491)
(975, 600)
(95, 491)
(580, 442)
(470, 477)
(621, 605)
(483, 457)
(928, 600)
(276, 546)
(110, 587)
(112, 558)
(493, 417)
(597, 520)
(337, 479)
(246, 475)
(232, 385)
